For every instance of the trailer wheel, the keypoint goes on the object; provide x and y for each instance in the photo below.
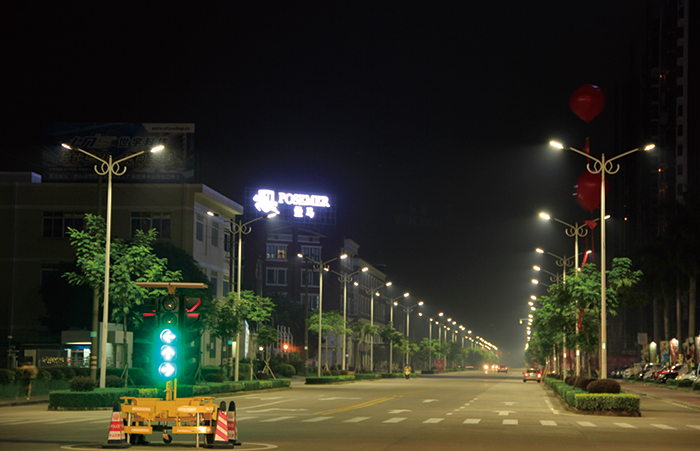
(167, 438)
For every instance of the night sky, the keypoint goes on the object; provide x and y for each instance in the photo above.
(428, 120)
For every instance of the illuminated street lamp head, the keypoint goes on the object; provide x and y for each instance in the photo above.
(535, 281)
(649, 147)
(420, 303)
(544, 215)
(558, 145)
(539, 251)
(406, 295)
(157, 149)
(440, 314)
(365, 269)
(388, 284)
(537, 268)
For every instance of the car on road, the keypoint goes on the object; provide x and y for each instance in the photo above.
(502, 369)
(532, 375)
(673, 372)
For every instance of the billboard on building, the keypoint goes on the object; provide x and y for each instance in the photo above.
(174, 164)
(310, 209)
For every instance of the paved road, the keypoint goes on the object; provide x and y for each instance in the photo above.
(474, 411)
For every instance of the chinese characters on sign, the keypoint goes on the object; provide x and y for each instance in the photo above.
(309, 208)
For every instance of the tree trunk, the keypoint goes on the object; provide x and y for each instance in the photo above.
(679, 309)
(666, 319)
(692, 300)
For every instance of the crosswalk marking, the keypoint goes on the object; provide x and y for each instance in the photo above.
(433, 420)
(625, 425)
(471, 421)
(548, 423)
(356, 419)
(511, 422)
(316, 420)
(663, 426)
(274, 420)
(394, 420)
(586, 424)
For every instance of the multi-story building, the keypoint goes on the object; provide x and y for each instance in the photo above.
(34, 239)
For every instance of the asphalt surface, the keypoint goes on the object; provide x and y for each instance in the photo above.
(683, 396)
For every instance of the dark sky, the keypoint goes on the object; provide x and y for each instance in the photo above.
(428, 120)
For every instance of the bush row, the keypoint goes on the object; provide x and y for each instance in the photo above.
(108, 397)
(598, 395)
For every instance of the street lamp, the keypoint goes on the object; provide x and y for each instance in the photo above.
(110, 168)
(320, 266)
(391, 302)
(241, 229)
(408, 310)
(345, 278)
(371, 316)
(602, 166)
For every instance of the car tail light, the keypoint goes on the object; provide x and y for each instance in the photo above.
(539, 375)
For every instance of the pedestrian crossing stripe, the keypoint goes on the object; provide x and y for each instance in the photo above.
(356, 419)
(548, 423)
(586, 424)
(472, 421)
(433, 420)
(663, 426)
(625, 425)
(395, 420)
(316, 420)
(510, 422)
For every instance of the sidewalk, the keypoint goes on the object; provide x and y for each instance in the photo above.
(10, 402)
(684, 396)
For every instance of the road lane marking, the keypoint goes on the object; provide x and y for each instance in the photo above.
(356, 419)
(663, 426)
(503, 413)
(625, 425)
(356, 406)
(694, 426)
(471, 421)
(263, 405)
(548, 423)
(394, 420)
(511, 422)
(586, 424)
(316, 420)
(433, 420)
(429, 400)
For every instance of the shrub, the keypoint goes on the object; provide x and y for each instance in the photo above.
(604, 402)
(80, 383)
(582, 382)
(112, 382)
(685, 383)
(60, 373)
(604, 386)
(214, 377)
(285, 370)
(571, 396)
(696, 384)
(43, 375)
(7, 377)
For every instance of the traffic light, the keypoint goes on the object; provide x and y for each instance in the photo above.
(190, 346)
(167, 336)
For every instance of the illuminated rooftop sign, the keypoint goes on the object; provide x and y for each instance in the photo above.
(313, 209)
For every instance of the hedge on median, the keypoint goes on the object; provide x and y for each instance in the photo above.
(108, 397)
(595, 402)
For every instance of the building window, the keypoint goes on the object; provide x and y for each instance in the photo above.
(145, 220)
(226, 285)
(56, 223)
(199, 229)
(215, 283)
(277, 252)
(315, 278)
(215, 234)
(314, 253)
(313, 301)
(276, 276)
(227, 242)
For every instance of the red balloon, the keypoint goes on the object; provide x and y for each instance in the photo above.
(588, 191)
(587, 102)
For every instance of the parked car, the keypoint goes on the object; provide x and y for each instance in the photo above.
(649, 369)
(690, 375)
(655, 374)
(532, 375)
(672, 372)
(631, 370)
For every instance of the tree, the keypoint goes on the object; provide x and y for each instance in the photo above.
(224, 317)
(332, 323)
(428, 348)
(360, 333)
(131, 262)
(391, 336)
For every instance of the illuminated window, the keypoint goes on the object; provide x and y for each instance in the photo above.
(277, 252)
